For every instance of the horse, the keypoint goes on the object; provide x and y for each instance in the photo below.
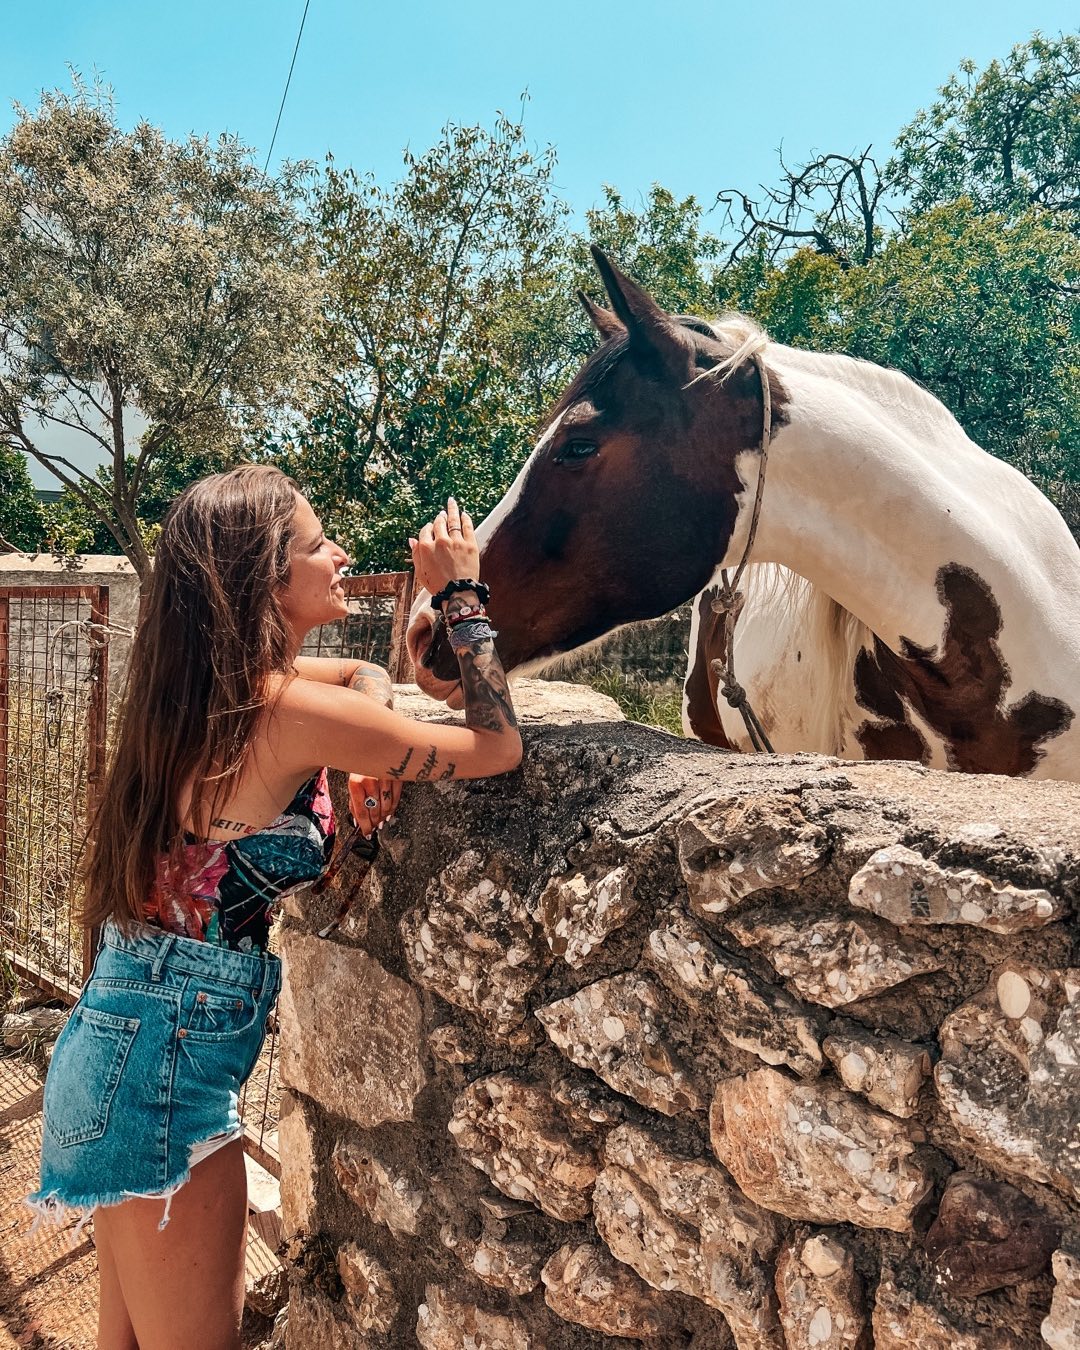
(907, 595)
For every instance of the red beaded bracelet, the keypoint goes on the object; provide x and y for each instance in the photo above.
(465, 615)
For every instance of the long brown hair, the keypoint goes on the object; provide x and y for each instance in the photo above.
(210, 636)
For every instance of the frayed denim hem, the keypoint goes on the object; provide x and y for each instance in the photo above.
(52, 1209)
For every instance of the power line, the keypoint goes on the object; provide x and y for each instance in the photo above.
(288, 81)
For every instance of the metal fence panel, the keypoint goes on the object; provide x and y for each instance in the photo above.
(53, 692)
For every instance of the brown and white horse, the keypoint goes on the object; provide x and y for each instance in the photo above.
(911, 597)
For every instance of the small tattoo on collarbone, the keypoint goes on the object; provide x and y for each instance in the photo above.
(237, 826)
(425, 769)
(399, 772)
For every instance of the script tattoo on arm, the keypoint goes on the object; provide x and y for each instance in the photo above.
(399, 772)
(428, 767)
(372, 680)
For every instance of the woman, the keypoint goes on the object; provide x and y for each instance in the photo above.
(216, 805)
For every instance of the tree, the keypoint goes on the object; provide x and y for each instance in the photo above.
(22, 525)
(152, 294)
(424, 276)
(1006, 138)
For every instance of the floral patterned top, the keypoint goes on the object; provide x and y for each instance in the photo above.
(229, 886)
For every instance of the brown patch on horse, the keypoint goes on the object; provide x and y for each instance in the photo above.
(701, 683)
(958, 689)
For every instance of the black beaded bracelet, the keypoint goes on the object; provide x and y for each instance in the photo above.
(464, 584)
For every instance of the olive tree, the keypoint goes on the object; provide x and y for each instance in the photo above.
(154, 295)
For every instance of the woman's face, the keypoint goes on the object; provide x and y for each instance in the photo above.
(314, 593)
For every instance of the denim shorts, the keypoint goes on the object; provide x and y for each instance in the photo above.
(149, 1067)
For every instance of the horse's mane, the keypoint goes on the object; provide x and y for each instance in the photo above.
(832, 633)
(886, 386)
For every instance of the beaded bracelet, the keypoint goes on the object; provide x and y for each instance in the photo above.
(469, 634)
(462, 584)
(464, 615)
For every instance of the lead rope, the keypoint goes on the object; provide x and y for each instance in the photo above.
(730, 599)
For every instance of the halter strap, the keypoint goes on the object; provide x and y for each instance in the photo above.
(730, 599)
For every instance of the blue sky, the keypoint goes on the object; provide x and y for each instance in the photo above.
(697, 97)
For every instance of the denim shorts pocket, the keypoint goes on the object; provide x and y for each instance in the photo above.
(85, 1073)
(214, 1013)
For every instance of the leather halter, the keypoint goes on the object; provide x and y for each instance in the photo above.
(730, 599)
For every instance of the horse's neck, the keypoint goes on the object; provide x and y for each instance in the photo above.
(872, 489)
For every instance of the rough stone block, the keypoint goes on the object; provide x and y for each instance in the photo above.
(517, 1135)
(904, 887)
(369, 1294)
(620, 1028)
(318, 1323)
(445, 1322)
(835, 961)
(887, 1071)
(496, 1260)
(813, 1152)
(577, 912)
(733, 846)
(909, 1315)
(583, 1284)
(474, 943)
(385, 1194)
(1009, 1075)
(746, 1011)
(682, 1225)
(1061, 1326)
(822, 1306)
(298, 1177)
(988, 1235)
(351, 1033)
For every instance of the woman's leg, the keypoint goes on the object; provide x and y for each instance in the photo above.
(183, 1286)
(115, 1331)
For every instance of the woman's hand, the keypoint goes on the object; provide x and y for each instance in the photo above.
(446, 550)
(384, 792)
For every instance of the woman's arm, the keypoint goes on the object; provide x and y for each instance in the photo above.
(319, 723)
(365, 676)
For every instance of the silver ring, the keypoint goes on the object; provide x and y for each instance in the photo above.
(370, 803)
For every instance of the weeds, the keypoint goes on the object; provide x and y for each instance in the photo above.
(641, 700)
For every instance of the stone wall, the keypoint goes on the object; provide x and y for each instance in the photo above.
(651, 1042)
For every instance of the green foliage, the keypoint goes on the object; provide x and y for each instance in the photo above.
(143, 276)
(663, 246)
(21, 521)
(641, 700)
(1007, 137)
(426, 279)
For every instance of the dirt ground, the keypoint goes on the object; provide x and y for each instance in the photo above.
(48, 1279)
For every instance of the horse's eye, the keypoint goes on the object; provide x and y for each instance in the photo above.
(573, 452)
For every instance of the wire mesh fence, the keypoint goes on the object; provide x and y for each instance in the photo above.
(53, 691)
(373, 630)
(53, 721)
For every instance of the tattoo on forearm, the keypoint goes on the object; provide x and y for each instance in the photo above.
(448, 772)
(487, 694)
(375, 682)
(427, 768)
(399, 772)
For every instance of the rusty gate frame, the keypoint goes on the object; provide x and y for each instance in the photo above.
(97, 723)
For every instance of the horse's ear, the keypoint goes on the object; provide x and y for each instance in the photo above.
(605, 323)
(648, 324)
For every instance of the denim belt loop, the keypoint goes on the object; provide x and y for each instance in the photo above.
(163, 951)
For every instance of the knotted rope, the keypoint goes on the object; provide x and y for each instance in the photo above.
(730, 600)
